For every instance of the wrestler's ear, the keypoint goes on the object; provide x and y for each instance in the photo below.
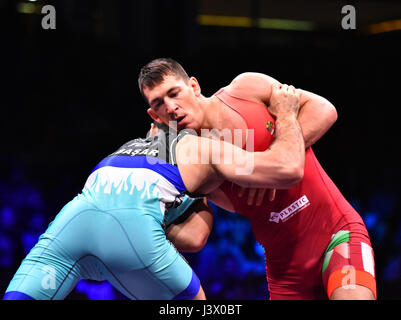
(194, 84)
(154, 116)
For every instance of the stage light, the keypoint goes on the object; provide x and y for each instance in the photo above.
(248, 22)
(224, 21)
(27, 8)
(285, 24)
(385, 26)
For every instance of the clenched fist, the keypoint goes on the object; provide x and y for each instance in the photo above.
(284, 100)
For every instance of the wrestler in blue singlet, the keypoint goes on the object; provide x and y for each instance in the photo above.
(113, 231)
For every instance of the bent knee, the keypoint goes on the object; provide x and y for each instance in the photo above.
(352, 292)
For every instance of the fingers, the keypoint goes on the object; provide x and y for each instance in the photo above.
(294, 91)
(241, 192)
(251, 196)
(288, 88)
(272, 194)
(153, 130)
(285, 87)
(261, 195)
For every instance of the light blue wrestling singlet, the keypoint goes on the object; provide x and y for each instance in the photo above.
(114, 231)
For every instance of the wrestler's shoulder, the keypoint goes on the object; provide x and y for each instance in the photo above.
(252, 86)
(248, 78)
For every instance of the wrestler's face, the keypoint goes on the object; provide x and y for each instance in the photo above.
(175, 100)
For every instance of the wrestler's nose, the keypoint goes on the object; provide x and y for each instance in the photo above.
(171, 107)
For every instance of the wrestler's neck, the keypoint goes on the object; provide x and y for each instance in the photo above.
(215, 114)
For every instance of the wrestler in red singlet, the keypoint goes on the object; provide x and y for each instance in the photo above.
(314, 240)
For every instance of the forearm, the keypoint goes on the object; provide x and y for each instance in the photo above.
(178, 235)
(284, 161)
(316, 116)
(191, 235)
(280, 166)
(182, 236)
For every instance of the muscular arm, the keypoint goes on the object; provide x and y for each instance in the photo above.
(316, 114)
(281, 166)
(191, 235)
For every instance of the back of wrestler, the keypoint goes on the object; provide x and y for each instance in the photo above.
(113, 231)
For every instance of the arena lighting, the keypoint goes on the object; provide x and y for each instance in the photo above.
(385, 26)
(224, 21)
(247, 22)
(28, 8)
(285, 24)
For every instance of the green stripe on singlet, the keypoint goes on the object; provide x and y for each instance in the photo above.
(340, 237)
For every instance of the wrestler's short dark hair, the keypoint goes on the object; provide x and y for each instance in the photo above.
(154, 72)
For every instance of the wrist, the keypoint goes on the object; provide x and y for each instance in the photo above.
(287, 116)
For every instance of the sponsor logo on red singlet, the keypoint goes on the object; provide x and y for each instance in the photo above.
(288, 212)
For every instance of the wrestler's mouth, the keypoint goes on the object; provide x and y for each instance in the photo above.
(180, 120)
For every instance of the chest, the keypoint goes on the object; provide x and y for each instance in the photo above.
(249, 126)
(233, 127)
